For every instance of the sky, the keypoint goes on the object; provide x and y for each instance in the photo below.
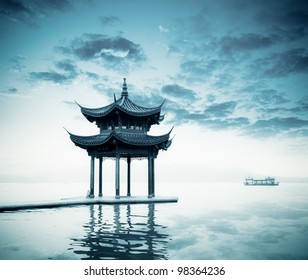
(233, 74)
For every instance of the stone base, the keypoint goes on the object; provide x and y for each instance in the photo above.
(86, 201)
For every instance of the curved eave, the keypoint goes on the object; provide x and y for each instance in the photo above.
(132, 109)
(132, 139)
(123, 104)
(90, 141)
(92, 113)
(137, 139)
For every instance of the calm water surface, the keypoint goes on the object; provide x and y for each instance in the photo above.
(210, 221)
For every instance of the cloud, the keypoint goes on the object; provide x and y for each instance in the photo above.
(108, 20)
(68, 68)
(92, 75)
(115, 51)
(283, 63)
(227, 123)
(201, 68)
(254, 41)
(163, 29)
(299, 133)
(16, 10)
(246, 42)
(274, 126)
(10, 90)
(58, 5)
(287, 15)
(179, 92)
(18, 63)
(219, 110)
(296, 17)
(99, 87)
(215, 116)
(303, 104)
(267, 97)
(31, 12)
(51, 76)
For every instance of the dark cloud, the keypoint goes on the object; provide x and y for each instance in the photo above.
(282, 64)
(296, 17)
(31, 12)
(108, 20)
(18, 63)
(202, 68)
(18, 11)
(183, 27)
(179, 92)
(206, 48)
(227, 123)
(291, 34)
(218, 116)
(280, 111)
(303, 105)
(246, 42)
(11, 90)
(267, 97)
(215, 117)
(115, 51)
(58, 5)
(51, 76)
(299, 133)
(68, 68)
(287, 15)
(219, 110)
(275, 126)
(92, 75)
(67, 65)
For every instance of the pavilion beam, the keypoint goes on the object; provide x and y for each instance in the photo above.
(91, 193)
(100, 178)
(117, 176)
(128, 176)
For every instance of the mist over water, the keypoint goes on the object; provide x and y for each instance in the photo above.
(210, 221)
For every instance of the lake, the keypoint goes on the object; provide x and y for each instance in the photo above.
(210, 221)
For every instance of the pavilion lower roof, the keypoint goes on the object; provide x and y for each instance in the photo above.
(130, 138)
(124, 104)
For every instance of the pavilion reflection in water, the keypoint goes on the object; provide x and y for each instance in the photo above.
(124, 236)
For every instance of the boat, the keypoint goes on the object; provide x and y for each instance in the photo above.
(268, 181)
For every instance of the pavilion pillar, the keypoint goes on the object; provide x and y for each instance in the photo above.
(91, 193)
(128, 176)
(151, 176)
(117, 176)
(100, 177)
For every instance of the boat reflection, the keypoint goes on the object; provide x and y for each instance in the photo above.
(122, 234)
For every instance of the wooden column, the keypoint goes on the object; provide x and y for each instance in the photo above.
(153, 176)
(91, 194)
(150, 176)
(100, 182)
(128, 176)
(117, 176)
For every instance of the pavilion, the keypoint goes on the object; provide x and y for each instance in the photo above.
(124, 128)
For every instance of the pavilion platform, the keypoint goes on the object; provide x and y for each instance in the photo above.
(66, 202)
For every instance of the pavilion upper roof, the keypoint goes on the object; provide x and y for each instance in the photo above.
(123, 104)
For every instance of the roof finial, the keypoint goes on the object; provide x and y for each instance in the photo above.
(124, 88)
